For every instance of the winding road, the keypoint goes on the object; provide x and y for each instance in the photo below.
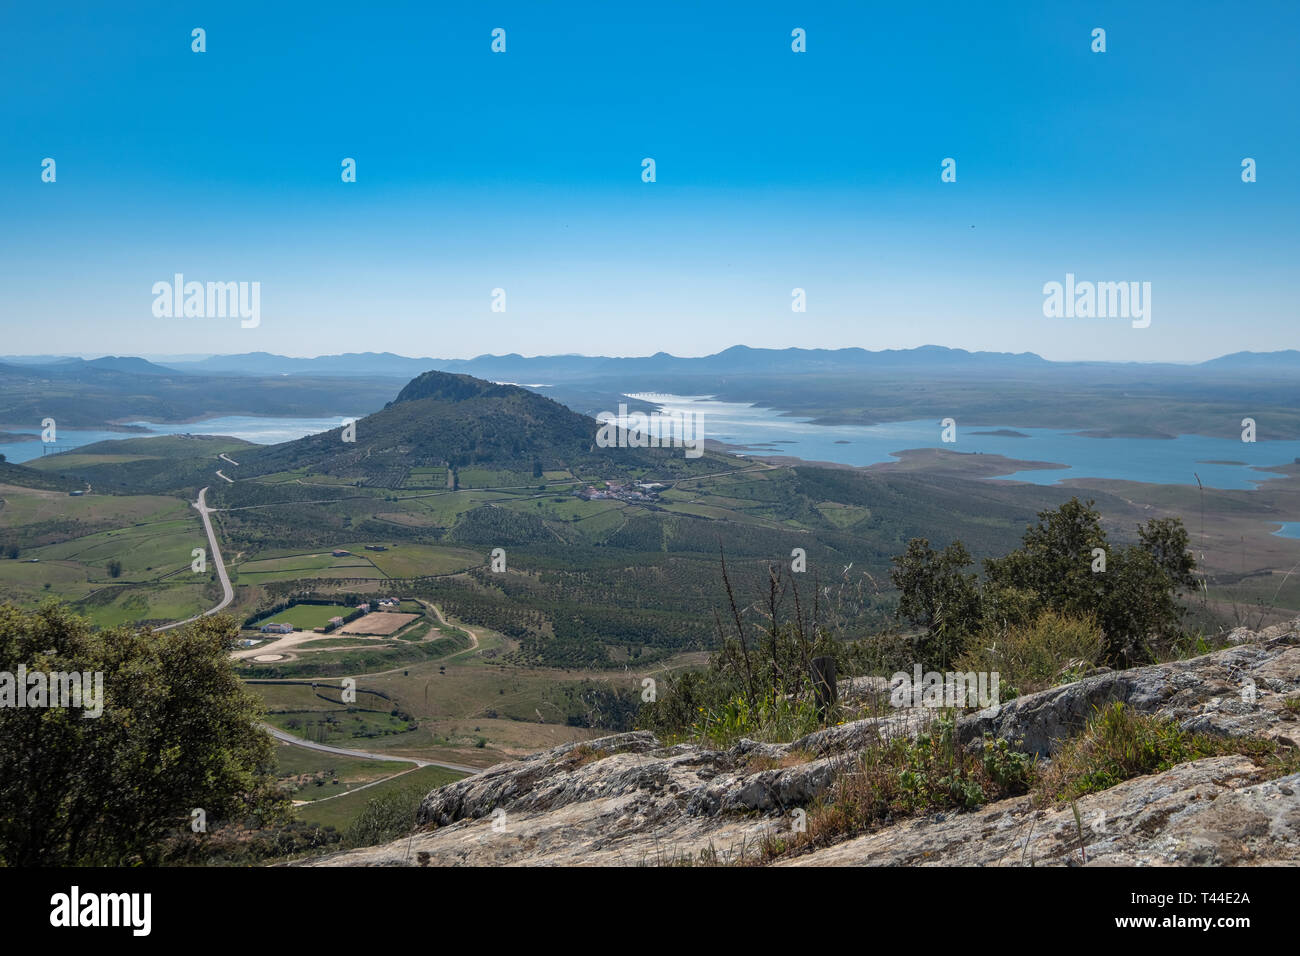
(279, 734)
(227, 592)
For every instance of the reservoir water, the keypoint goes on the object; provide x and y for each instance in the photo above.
(263, 431)
(1220, 462)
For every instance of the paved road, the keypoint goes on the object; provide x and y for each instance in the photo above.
(342, 752)
(228, 593)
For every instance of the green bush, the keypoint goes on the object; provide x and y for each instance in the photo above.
(1054, 649)
(1119, 744)
(385, 818)
(769, 718)
(1012, 770)
(905, 777)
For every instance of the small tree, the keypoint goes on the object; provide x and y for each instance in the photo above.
(937, 593)
(1053, 563)
(1141, 605)
(1165, 539)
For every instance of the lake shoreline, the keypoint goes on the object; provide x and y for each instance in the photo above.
(1045, 456)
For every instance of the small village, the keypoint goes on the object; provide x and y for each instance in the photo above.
(622, 491)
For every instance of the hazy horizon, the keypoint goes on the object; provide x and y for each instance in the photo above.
(201, 356)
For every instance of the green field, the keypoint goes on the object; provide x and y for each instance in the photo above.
(317, 564)
(161, 602)
(399, 560)
(73, 460)
(305, 617)
(494, 478)
(565, 508)
(152, 447)
(24, 582)
(442, 510)
(71, 546)
(414, 560)
(147, 551)
(317, 714)
(426, 478)
(341, 811)
(313, 775)
(343, 727)
(303, 697)
(24, 506)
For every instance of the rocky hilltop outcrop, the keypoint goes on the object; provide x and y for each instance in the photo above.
(628, 800)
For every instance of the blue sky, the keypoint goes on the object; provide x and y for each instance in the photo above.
(775, 170)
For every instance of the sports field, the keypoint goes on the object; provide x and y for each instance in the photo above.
(304, 617)
(379, 622)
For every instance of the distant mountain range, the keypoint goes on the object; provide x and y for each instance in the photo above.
(523, 370)
(1290, 359)
(828, 385)
(550, 369)
(80, 393)
(70, 367)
